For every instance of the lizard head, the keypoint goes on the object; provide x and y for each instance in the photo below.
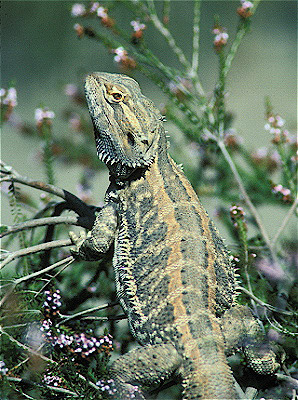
(127, 125)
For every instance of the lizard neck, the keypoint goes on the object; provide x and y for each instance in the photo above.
(162, 158)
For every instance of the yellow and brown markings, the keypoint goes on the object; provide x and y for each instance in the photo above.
(164, 214)
(171, 263)
(178, 288)
(221, 278)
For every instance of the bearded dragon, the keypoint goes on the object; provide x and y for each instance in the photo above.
(174, 277)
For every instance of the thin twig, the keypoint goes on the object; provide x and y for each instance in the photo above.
(26, 359)
(16, 282)
(88, 311)
(249, 284)
(167, 35)
(68, 260)
(24, 347)
(16, 313)
(241, 32)
(35, 249)
(25, 395)
(243, 28)
(71, 220)
(284, 222)
(90, 383)
(278, 327)
(266, 305)
(196, 38)
(249, 203)
(166, 11)
(196, 47)
(10, 175)
(54, 276)
(54, 388)
(235, 45)
(110, 318)
(16, 326)
(35, 184)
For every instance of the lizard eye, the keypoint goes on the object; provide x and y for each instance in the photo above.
(117, 96)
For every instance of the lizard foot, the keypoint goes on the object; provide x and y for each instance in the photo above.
(77, 240)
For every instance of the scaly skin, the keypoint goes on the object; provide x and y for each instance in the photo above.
(173, 275)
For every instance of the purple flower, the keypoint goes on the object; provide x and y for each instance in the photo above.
(78, 10)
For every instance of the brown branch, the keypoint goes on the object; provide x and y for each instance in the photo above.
(71, 220)
(35, 249)
(72, 202)
(11, 175)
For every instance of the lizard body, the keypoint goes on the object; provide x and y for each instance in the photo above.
(174, 278)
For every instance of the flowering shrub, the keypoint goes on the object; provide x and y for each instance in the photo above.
(75, 345)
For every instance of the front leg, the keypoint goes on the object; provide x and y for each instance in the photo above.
(99, 239)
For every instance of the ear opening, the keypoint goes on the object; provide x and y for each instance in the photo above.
(131, 139)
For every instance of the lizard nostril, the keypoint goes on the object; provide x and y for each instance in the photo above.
(145, 141)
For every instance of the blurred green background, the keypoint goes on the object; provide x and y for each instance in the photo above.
(41, 53)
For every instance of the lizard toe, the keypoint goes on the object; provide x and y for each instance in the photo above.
(77, 240)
